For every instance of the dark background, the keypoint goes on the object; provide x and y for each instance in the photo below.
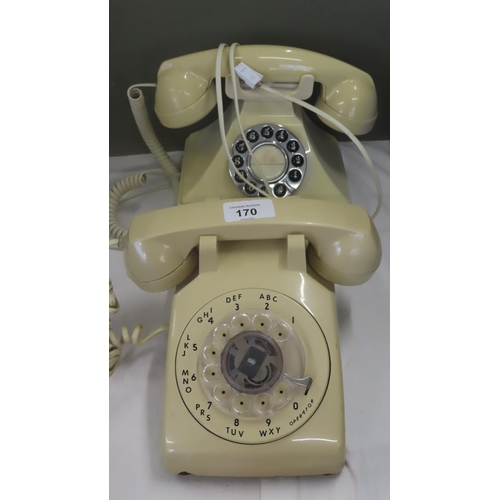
(145, 33)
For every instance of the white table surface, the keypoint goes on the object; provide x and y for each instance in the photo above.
(136, 387)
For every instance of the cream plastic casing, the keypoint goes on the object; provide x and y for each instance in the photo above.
(284, 264)
(276, 269)
(204, 156)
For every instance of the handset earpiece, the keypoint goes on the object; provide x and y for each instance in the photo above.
(183, 97)
(350, 258)
(353, 102)
(156, 265)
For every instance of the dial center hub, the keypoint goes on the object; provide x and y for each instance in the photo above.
(272, 162)
(252, 362)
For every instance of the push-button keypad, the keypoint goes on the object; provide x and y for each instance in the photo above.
(276, 155)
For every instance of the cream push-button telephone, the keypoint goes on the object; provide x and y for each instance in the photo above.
(262, 231)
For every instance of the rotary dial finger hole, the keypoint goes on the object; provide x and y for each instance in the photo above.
(279, 332)
(222, 334)
(242, 403)
(223, 392)
(212, 374)
(262, 403)
(212, 353)
(241, 323)
(281, 392)
(261, 322)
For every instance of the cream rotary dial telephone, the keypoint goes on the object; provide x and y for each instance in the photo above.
(262, 231)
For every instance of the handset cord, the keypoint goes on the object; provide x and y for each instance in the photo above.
(117, 194)
(238, 119)
(220, 112)
(115, 343)
(119, 234)
(138, 107)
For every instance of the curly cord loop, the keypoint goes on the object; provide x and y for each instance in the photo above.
(115, 343)
(138, 107)
(117, 192)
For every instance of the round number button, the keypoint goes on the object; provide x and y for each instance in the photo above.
(279, 190)
(238, 161)
(292, 146)
(248, 189)
(267, 132)
(297, 160)
(295, 175)
(241, 147)
(238, 178)
(282, 135)
(252, 136)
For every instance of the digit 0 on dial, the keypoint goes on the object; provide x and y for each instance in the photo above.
(242, 369)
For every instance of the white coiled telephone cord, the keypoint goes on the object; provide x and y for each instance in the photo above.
(119, 233)
(140, 112)
(115, 343)
(115, 196)
(131, 182)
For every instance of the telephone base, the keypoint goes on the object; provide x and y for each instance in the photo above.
(212, 427)
(204, 167)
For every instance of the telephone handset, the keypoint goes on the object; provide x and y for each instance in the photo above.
(263, 229)
(186, 87)
(344, 247)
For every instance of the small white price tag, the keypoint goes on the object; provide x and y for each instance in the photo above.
(246, 209)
